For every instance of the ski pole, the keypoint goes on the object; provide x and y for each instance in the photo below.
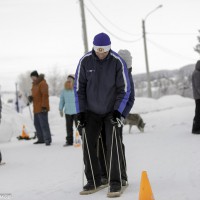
(29, 107)
(104, 154)
(83, 168)
(84, 133)
(118, 157)
(110, 159)
(115, 134)
(124, 160)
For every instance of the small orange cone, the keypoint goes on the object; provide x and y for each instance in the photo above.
(77, 140)
(145, 188)
(24, 134)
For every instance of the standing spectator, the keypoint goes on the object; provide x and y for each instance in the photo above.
(67, 103)
(0, 108)
(196, 94)
(40, 98)
(0, 123)
(102, 89)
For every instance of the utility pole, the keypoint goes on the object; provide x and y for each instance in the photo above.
(145, 50)
(146, 60)
(85, 40)
(17, 102)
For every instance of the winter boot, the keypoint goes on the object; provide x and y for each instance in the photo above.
(90, 186)
(104, 181)
(115, 188)
(38, 142)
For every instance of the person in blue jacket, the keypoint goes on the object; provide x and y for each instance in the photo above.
(67, 107)
(102, 90)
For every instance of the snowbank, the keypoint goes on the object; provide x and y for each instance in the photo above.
(167, 151)
(12, 123)
(146, 105)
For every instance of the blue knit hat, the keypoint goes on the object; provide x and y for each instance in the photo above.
(101, 43)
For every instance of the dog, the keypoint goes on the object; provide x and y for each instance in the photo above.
(134, 119)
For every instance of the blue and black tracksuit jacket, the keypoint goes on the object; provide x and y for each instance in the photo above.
(101, 86)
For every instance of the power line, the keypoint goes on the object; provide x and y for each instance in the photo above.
(115, 36)
(173, 34)
(169, 51)
(117, 27)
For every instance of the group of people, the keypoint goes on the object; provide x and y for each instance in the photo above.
(97, 99)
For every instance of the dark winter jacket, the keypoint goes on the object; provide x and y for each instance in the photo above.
(40, 93)
(196, 81)
(101, 86)
(131, 99)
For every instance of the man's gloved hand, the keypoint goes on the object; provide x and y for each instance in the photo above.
(30, 99)
(116, 115)
(81, 119)
(61, 113)
(44, 110)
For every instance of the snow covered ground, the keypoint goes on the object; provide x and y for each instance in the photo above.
(167, 151)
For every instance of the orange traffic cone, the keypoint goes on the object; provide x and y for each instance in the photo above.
(24, 134)
(77, 140)
(145, 188)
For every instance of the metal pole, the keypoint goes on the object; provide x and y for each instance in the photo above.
(146, 60)
(145, 50)
(85, 40)
(17, 101)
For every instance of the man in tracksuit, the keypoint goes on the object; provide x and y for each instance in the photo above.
(102, 89)
(126, 55)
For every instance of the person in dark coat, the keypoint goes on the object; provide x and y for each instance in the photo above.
(126, 56)
(40, 99)
(102, 90)
(0, 108)
(0, 123)
(196, 95)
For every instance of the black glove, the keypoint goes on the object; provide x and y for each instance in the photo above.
(81, 119)
(44, 109)
(116, 115)
(30, 99)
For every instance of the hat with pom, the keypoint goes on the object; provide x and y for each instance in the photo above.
(126, 55)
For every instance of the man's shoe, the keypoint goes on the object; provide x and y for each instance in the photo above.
(48, 144)
(115, 188)
(67, 144)
(104, 181)
(90, 186)
(38, 142)
(196, 132)
(124, 183)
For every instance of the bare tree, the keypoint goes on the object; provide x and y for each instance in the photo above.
(56, 81)
(25, 83)
(197, 47)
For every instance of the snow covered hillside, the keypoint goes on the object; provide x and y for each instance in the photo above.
(166, 82)
(166, 150)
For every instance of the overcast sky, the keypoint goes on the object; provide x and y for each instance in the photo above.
(42, 34)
